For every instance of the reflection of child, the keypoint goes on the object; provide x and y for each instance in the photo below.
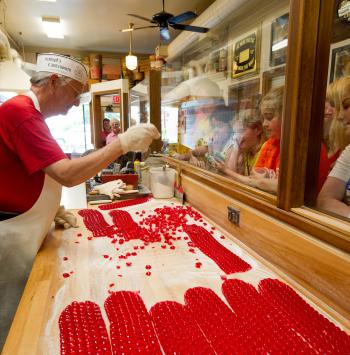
(242, 156)
(335, 193)
(264, 175)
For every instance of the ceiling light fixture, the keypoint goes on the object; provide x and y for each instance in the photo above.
(52, 27)
(130, 59)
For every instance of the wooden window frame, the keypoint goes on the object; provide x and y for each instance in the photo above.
(310, 30)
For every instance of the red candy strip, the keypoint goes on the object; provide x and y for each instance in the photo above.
(268, 329)
(224, 258)
(304, 319)
(273, 330)
(120, 204)
(131, 328)
(128, 229)
(83, 330)
(177, 331)
(95, 222)
(216, 320)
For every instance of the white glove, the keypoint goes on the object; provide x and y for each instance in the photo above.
(138, 138)
(111, 188)
(65, 219)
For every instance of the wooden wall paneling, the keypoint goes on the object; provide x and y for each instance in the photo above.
(318, 100)
(300, 68)
(322, 267)
(154, 101)
(96, 120)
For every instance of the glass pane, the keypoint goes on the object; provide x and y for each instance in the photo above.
(223, 97)
(139, 103)
(334, 189)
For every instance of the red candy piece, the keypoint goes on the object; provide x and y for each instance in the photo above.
(65, 258)
(148, 273)
(198, 265)
(148, 267)
(65, 275)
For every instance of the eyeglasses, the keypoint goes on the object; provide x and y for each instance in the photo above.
(83, 97)
(76, 90)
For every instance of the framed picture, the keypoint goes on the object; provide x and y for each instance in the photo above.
(339, 60)
(279, 40)
(246, 54)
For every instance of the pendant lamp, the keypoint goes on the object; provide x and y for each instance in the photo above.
(130, 59)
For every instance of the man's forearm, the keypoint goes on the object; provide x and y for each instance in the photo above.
(73, 172)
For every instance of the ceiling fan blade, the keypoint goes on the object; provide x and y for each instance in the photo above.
(141, 28)
(164, 33)
(185, 16)
(178, 26)
(140, 17)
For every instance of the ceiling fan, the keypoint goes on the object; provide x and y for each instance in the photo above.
(164, 19)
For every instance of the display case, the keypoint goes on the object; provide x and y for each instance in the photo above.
(277, 68)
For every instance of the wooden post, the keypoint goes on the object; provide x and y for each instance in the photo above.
(155, 101)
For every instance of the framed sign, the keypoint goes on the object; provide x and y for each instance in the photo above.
(279, 40)
(339, 60)
(245, 55)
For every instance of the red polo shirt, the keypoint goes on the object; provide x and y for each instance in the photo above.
(26, 147)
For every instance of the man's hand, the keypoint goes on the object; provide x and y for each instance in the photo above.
(65, 219)
(138, 138)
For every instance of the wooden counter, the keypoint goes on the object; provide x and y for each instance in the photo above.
(35, 327)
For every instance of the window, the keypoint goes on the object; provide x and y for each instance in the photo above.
(227, 91)
(72, 131)
(333, 130)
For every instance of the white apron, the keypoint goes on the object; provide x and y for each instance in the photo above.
(20, 240)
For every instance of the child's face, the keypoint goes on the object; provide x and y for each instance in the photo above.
(272, 121)
(249, 138)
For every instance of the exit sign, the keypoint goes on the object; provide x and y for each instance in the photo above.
(116, 99)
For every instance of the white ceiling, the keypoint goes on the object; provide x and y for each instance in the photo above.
(91, 25)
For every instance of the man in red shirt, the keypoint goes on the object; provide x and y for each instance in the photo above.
(33, 168)
(106, 130)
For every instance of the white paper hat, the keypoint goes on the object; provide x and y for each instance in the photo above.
(60, 64)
